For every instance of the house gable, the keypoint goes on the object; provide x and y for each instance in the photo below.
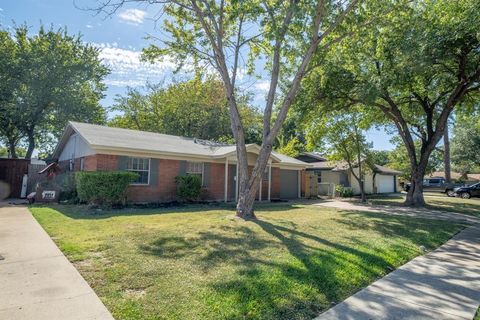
(75, 147)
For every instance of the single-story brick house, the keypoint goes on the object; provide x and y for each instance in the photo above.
(159, 158)
(378, 179)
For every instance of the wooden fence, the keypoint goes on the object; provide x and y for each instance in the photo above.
(11, 172)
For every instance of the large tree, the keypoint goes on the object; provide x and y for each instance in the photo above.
(398, 159)
(410, 72)
(276, 38)
(341, 135)
(193, 108)
(10, 79)
(52, 78)
(466, 143)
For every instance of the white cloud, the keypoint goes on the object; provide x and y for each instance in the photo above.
(128, 70)
(262, 85)
(132, 16)
(89, 26)
(1, 9)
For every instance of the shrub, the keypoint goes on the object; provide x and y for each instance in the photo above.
(102, 187)
(189, 187)
(343, 192)
(68, 190)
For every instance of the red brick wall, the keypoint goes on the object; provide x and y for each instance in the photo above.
(106, 162)
(216, 186)
(164, 191)
(90, 163)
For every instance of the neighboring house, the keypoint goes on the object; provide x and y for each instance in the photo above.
(468, 178)
(159, 158)
(379, 179)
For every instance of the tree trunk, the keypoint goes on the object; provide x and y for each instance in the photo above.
(251, 183)
(362, 191)
(245, 203)
(415, 193)
(361, 181)
(31, 145)
(446, 158)
(12, 149)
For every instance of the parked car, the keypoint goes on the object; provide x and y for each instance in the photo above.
(466, 192)
(437, 185)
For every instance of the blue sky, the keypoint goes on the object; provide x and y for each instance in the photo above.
(121, 37)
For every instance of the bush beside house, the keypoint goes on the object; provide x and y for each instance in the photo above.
(344, 192)
(189, 187)
(102, 187)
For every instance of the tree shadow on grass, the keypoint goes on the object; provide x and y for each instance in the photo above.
(84, 212)
(286, 272)
(418, 229)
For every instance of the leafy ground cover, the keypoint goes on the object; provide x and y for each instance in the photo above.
(294, 262)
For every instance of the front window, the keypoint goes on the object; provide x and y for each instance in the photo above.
(195, 168)
(141, 166)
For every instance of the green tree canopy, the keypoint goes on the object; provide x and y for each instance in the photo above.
(465, 144)
(48, 78)
(194, 108)
(409, 71)
(275, 40)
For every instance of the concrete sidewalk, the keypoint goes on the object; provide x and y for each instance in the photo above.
(36, 279)
(444, 284)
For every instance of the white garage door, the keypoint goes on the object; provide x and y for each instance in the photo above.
(385, 184)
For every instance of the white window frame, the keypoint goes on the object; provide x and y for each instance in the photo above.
(130, 163)
(191, 172)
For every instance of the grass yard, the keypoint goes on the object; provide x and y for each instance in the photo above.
(202, 263)
(437, 201)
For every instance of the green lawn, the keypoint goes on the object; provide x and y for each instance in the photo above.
(202, 263)
(437, 201)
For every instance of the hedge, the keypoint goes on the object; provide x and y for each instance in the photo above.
(103, 187)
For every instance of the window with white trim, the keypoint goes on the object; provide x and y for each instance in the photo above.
(141, 166)
(195, 168)
(265, 174)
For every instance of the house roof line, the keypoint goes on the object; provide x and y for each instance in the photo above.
(126, 140)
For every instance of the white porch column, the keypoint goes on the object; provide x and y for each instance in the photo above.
(226, 180)
(299, 183)
(236, 183)
(260, 189)
(269, 180)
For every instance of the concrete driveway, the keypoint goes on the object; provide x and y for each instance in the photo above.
(398, 210)
(36, 279)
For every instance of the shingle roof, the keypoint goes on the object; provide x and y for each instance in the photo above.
(382, 169)
(327, 165)
(343, 165)
(103, 137)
